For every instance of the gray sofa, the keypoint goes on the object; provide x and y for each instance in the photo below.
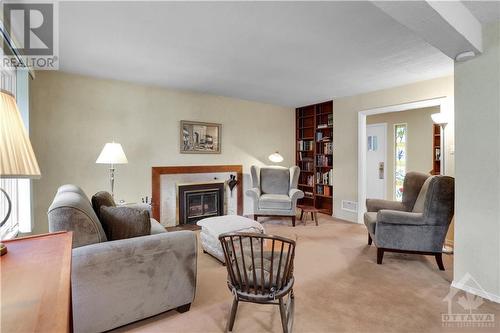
(274, 191)
(419, 223)
(114, 283)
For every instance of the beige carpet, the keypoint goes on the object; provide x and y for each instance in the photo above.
(339, 288)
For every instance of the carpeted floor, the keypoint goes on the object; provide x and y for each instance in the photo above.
(338, 288)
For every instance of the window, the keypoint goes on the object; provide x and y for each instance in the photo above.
(400, 136)
(19, 190)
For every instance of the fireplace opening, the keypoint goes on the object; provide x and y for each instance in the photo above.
(198, 201)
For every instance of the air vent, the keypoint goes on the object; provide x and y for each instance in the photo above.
(350, 206)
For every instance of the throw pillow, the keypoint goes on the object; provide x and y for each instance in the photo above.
(102, 198)
(125, 222)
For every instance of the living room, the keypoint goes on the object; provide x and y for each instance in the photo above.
(216, 119)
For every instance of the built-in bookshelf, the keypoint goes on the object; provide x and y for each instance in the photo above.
(436, 149)
(314, 136)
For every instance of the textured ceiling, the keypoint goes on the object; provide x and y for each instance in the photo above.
(285, 53)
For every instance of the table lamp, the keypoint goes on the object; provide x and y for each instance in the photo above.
(17, 159)
(276, 157)
(112, 154)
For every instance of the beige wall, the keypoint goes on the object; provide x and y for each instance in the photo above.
(477, 212)
(419, 141)
(346, 132)
(73, 116)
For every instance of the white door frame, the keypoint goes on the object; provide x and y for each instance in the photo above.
(384, 125)
(445, 104)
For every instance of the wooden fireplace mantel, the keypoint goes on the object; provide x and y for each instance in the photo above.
(156, 173)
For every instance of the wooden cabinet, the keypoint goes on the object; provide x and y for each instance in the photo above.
(436, 149)
(36, 284)
(314, 154)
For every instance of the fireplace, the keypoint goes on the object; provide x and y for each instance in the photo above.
(198, 201)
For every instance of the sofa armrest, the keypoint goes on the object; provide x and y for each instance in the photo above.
(374, 205)
(295, 195)
(118, 282)
(398, 217)
(253, 193)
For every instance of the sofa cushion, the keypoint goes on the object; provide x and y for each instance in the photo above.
(275, 201)
(274, 180)
(125, 222)
(420, 202)
(102, 198)
(370, 219)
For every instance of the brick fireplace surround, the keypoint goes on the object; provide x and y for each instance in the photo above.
(156, 173)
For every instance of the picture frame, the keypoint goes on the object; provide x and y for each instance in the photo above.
(200, 137)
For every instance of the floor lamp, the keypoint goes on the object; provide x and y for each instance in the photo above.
(441, 120)
(17, 159)
(112, 154)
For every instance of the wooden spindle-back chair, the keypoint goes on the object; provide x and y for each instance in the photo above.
(260, 270)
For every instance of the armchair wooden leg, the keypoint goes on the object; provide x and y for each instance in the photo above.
(232, 315)
(184, 308)
(380, 256)
(369, 239)
(284, 319)
(293, 220)
(439, 261)
(301, 214)
(255, 217)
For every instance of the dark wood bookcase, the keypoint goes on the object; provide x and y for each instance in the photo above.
(436, 149)
(314, 154)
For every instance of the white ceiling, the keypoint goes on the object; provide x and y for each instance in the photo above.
(484, 11)
(285, 53)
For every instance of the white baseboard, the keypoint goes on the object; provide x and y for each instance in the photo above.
(476, 291)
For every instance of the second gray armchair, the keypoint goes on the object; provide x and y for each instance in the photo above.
(274, 191)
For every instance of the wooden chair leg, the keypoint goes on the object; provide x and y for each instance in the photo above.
(439, 261)
(293, 220)
(380, 256)
(232, 315)
(183, 308)
(316, 218)
(369, 239)
(255, 217)
(284, 321)
(301, 214)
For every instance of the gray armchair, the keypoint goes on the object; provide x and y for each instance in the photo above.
(274, 191)
(114, 283)
(419, 223)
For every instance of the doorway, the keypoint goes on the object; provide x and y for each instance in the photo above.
(376, 160)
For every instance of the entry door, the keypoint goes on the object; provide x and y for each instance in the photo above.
(376, 164)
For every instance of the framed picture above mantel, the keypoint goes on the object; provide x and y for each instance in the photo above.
(200, 138)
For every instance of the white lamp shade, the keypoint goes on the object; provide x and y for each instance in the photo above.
(112, 153)
(276, 157)
(17, 159)
(439, 118)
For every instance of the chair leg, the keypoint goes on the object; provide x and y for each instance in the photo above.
(293, 220)
(184, 308)
(255, 217)
(232, 315)
(380, 256)
(369, 239)
(301, 214)
(316, 218)
(439, 261)
(284, 321)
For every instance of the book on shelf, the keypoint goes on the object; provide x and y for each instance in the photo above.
(305, 145)
(330, 119)
(319, 136)
(321, 126)
(307, 166)
(308, 194)
(324, 178)
(328, 148)
(324, 160)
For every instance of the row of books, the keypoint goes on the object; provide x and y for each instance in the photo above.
(330, 119)
(307, 166)
(305, 156)
(308, 194)
(325, 178)
(309, 180)
(323, 190)
(321, 137)
(305, 145)
(328, 148)
(324, 160)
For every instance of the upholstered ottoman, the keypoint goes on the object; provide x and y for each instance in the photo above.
(212, 227)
